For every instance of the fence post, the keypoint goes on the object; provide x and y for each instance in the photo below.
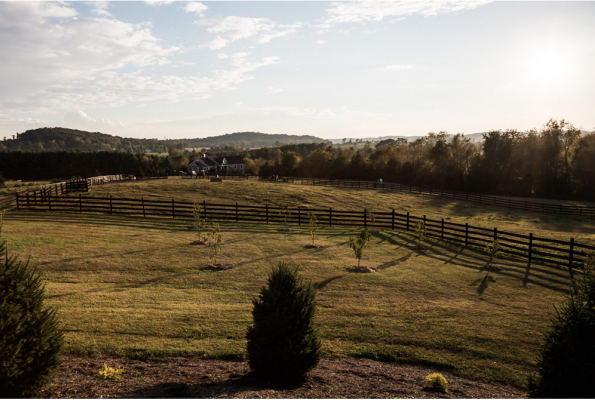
(237, 215)
(525, 204)
(480, 197)
(80, 203)
(365, 217)
(143, 203)
(330, 216)
(467, 198)
(442, 230)
(571, 255)
(495, 234)
(267, 211)
(466, 234)
(110, 205)
(393, 221)
(204, 207)
(560, 209)
(17, 196)
(509, 201)
(542, 206)
(173, 208)
(50, 203)
(530, 246)
(300, 215)
(424, 220)
(407, 220)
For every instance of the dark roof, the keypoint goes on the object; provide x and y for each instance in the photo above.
(209, 162)
(219, 160)
(235, 159)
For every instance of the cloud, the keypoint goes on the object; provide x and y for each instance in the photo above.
(320, 42)
(233, 28)
(374, 11)
(158, 2)
(195, 7)
(398, 67)
(274, 90)
(100, 8)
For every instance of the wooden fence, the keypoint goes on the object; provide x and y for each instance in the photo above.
(567, 254)
(453, 194)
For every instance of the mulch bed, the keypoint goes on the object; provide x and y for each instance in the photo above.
(492, 268)
(193, 378)
(313, 246)
(360, 269)
(418, 247)
(216, 267)
(198, 242)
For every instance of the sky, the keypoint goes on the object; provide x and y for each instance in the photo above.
(349, 69)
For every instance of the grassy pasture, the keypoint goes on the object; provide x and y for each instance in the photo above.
(133, 287)
(261, 192)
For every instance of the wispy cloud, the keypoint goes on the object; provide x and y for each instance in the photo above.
(274, 90)
(399, 67)
(159, 2)
(233, 28)
(374, 11)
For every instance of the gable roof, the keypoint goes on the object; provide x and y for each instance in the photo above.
(235, 159)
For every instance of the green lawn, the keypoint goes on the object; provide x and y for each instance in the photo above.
(133, 287)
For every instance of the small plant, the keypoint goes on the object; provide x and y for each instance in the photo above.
(285, 212)
(214, 242)
(437, 382)
(283, 344)
(567, 360)
(359, 243)
(198, 222)
(420, 231)
(31, 340)
(110, 374)
(313, 226)
(493, 250)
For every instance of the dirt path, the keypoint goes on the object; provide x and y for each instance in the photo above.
(191, 378)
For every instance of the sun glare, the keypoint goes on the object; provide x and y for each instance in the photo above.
(548, 68)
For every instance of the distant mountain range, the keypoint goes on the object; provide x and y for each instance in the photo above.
(72, 139)
(473, 136)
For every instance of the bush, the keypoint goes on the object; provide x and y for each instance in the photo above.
(437, 382)
(111, 374)
(567, 362)
(283, 344)
(30, 340)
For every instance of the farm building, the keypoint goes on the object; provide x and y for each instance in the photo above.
(234, 164)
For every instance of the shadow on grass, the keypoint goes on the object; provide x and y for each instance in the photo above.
(322, 284)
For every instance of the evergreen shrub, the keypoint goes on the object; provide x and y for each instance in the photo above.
(567, 363)
(283, 344)
(30, 339)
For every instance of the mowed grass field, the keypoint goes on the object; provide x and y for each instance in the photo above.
(133, 287)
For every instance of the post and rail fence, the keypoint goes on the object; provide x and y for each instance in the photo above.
(565, 254)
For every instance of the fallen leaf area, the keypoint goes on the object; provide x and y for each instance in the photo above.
(194, 378)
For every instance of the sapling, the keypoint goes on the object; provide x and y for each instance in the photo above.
(493, 251)
(215, 242)
(420, 231)
(313, 226)
(285, 212)
(199, 221)
(359, 243)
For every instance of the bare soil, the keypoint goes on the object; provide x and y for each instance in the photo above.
(361, 269)
(192, 378)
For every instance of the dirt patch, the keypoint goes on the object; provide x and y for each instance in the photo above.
(198, 242)
(216, 267)
(333, 378)
(361, 269)
(313, 246)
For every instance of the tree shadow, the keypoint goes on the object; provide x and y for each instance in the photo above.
(322, 284)
(483, 283)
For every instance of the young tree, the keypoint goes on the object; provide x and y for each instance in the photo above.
(493, 251)
(283, 344)
(214, 242)
(359, 243)
(198, 223)
(31, 340)
(567, 363)
(313, 226)
(420, 231)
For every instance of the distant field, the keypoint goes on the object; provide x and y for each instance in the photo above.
(132, 287)
(253, 191)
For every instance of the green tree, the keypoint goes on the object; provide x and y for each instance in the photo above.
(199, 221)
(283, 344)
(567, 363)
(359, 243)
(313, 226)
(214, 242)
(420, 231)
(31, 340)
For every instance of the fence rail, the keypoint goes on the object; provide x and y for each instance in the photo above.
(566, 254)
(451, 194)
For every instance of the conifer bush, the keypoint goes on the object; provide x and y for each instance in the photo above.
(30, 339)
(567, 364)
(283, 344)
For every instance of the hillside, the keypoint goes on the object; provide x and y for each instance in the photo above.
(71, 139)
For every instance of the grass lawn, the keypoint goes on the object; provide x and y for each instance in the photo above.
(261, 192)
(133, 287)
